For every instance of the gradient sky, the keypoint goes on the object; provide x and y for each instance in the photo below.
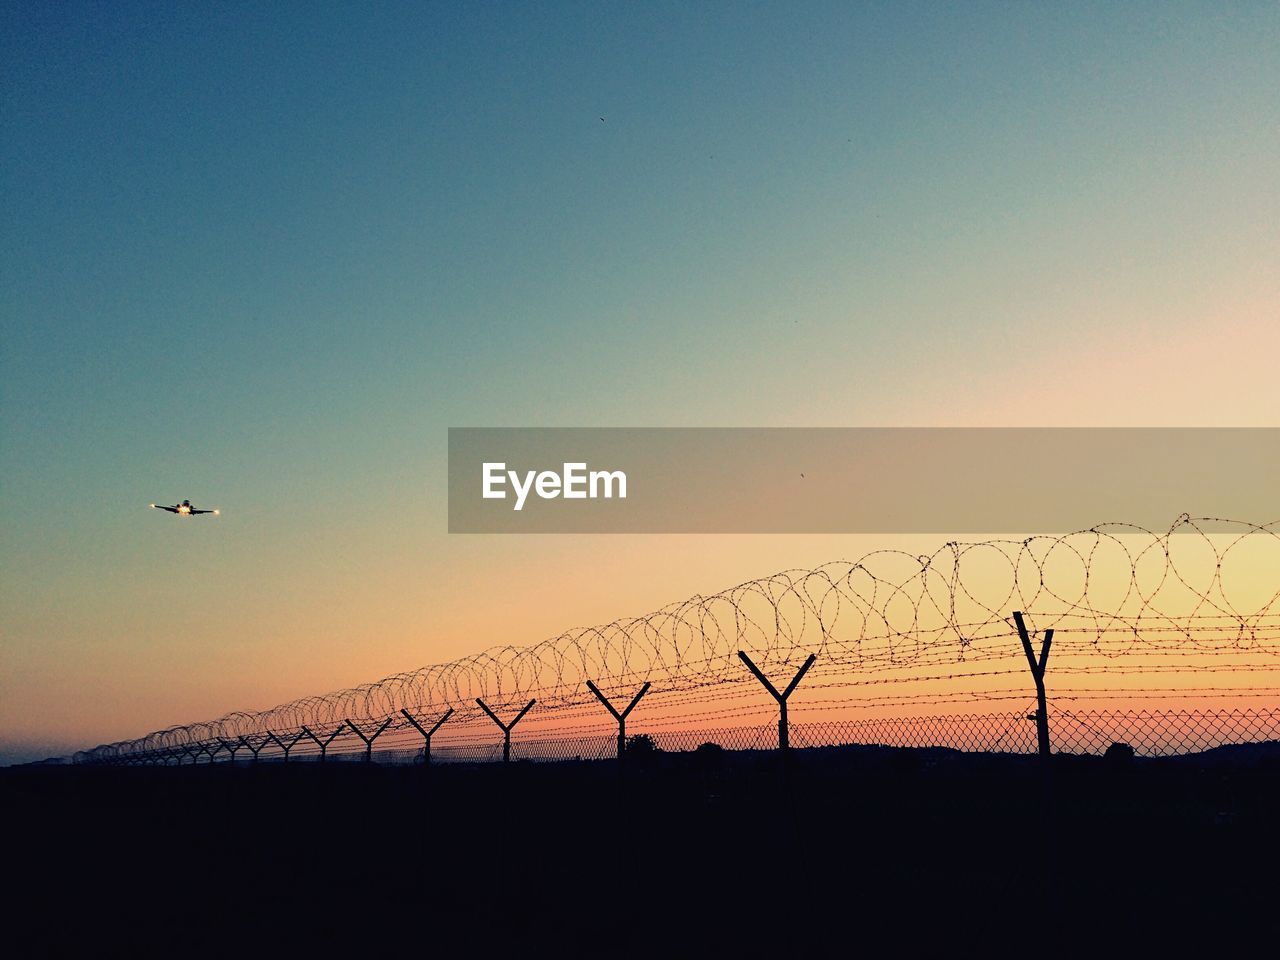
(263, 256)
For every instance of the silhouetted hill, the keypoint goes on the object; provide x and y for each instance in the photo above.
(1235, 754)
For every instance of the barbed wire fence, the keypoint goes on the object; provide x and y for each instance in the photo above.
(1168, 641)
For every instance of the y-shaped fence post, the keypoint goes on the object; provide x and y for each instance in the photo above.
(426, 734)
(286, 747)
(505, 727)
(620, 717)
(231, 748)
(272, 738)
(784, 741)
(255, 749)
(368, 741)
(1037, 673)
(324, 744)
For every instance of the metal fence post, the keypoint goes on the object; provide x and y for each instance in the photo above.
(1037, 674)
(620, 717)
(368, 740)
(426, 734)
(255, 749)
(784, 740)
(324, 744)
(505, 727)
(231, 747)
(286, 747)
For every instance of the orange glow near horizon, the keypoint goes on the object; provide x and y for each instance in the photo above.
(891, 676)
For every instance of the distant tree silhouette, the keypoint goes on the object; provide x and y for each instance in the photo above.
(1118, 754)
(642, 744)
(710, 756)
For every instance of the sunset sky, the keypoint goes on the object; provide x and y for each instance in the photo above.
(263, 256)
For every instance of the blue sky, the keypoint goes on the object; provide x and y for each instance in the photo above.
(261, 255)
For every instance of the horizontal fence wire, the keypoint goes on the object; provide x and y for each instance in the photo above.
(906, 651)
(1149, 733)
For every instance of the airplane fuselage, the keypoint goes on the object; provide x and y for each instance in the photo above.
(184, 509)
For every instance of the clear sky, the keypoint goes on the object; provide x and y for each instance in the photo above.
(262, 256)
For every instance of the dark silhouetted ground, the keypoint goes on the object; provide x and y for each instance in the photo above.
(848, 850)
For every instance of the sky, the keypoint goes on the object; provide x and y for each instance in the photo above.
(263, 256)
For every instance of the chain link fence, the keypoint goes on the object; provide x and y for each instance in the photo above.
(1081, 732)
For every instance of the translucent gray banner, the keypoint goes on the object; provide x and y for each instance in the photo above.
(855, 480)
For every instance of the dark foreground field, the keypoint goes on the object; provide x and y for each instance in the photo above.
(850, 851)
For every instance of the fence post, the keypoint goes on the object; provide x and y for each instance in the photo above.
(426, 734)
(784, 740)
(620, 717)
(286, 747)
(324, 744)
(279, 743)
(231, 748)
(1037, 673)
(368, 741)
(505, 727)
(255, 749)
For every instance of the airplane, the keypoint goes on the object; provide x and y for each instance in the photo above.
(184, 509)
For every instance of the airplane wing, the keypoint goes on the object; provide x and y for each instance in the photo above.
(170, 509)
(194, 511)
